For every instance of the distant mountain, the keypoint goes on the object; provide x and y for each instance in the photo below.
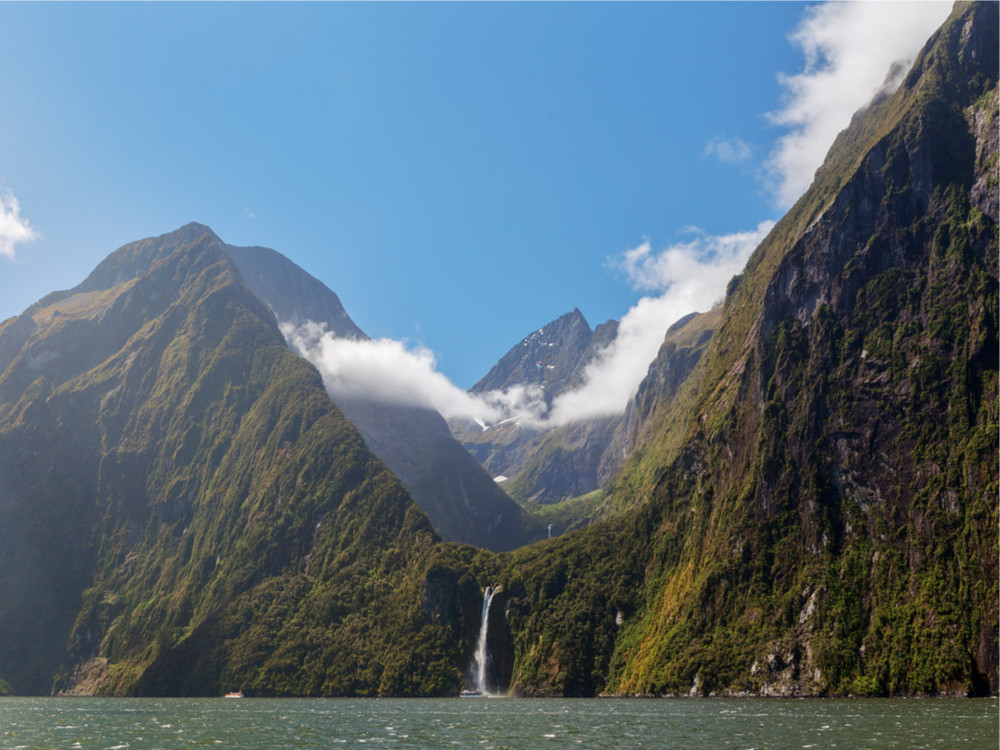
(544, 465)
(294, 295)
(460, 498)
(552, 358)
(185, 511)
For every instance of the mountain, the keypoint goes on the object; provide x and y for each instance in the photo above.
(552, 358)
(184, 509)
(545, 464)
(814, 512)
(462, 501)
(672, 379)
(294, 295)
(808, 505)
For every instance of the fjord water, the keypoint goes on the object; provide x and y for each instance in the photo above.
(149, 723)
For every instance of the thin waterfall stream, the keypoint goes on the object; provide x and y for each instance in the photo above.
(482, 656)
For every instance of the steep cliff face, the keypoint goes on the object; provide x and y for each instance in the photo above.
(185, 510)
(826, 521)
(462, 501)
(672, 377)
(844, 477)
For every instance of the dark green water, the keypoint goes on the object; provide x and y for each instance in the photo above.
(119, 723)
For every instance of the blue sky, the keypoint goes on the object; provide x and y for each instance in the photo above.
(460, 174)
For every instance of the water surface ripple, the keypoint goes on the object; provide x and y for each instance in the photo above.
(180, 723)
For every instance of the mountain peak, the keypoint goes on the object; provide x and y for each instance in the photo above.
(136, 258)
(192, 231)
(547, 357)
(574, 315)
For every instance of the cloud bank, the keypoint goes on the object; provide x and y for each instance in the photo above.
(689, 276)
(387, 371)
(13, 228)
(849, 49)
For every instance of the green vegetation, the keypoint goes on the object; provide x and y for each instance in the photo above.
(827, 523)
(564, 516)
(814, 512)
(227, 528)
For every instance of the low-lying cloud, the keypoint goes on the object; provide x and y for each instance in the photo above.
(852, 52)
(387, 371)
(14, 229)
(690, 276)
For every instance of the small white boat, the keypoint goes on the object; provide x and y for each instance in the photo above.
(471, 694)
(237, 694)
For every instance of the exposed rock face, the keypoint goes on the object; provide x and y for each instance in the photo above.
(549, 358)
(816, 509)
(544, 464)
(460, 498)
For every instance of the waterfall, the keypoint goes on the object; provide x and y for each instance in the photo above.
(482, 656)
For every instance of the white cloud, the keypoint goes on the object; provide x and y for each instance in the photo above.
(691, 270)
(13, 228)
(692, 276)
(729, 150)
(849, 49)
(385, 370)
